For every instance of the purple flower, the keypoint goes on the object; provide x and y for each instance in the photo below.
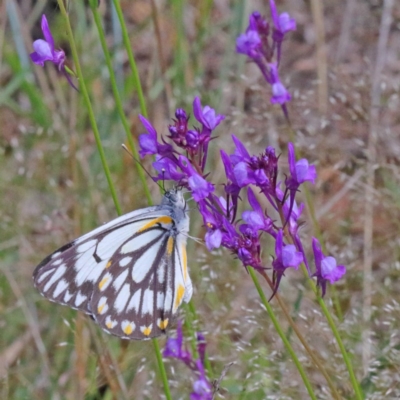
(148, 141)
(201, 387)
(286, 256)
(232, 188)
(45, 51)
(256, 219)
(300, 171)
(292, 214)
(207, 115)
(167, 169)
(249, 43)
(283, 23)
(213, 222)
(280, 94)
(260, 171)
(199, 186)
(174, 347)
(326, 267)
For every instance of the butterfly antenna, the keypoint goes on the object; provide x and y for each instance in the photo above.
(197, 240)
(143, 168)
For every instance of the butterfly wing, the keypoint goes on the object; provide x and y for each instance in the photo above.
(123, 273)
(139, 295)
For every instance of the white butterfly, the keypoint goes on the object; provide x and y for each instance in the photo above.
(130, 274)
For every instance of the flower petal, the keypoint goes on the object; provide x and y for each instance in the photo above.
(47, 33)
(43, 50)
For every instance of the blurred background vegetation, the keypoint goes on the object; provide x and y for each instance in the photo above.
(347, 122)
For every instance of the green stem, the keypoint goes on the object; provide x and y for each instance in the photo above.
(117, 97)
(162, 369)
(278, 328)
(131, 58)
(335, 332)
(345, 356)
(86, 97)
(303, 341)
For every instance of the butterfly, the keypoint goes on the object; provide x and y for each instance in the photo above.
(130, 275)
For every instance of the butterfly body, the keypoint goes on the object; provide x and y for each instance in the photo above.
(130, 274)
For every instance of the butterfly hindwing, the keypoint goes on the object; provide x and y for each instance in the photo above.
(130, 275)
(130, 290)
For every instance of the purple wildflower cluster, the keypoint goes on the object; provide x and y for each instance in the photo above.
(45, 51)
(263, 46)
(174, 348)
(224, 227)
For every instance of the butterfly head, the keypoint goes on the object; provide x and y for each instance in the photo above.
(174, 198)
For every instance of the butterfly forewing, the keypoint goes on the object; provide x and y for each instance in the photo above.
(130, 274)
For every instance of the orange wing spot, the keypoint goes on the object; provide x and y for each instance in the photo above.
(109, 264)
(160, 220)
(184, 259)
(109, 324)
(170, 245)
(179, 295)
(163, 323)
(100, 308)
(146, 331)
(103, 282)
(128, 329)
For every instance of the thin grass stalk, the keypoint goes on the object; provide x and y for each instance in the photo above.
(117, 97)
(161, 57)
(88, 104)
(336, 334)
(131, 58)
(303, 341)
(372, 159)
(282, 335)
(180, 59)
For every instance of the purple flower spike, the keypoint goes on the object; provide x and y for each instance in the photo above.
(326, 267)
(207, 115)
(280, 94)
(45, 51)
